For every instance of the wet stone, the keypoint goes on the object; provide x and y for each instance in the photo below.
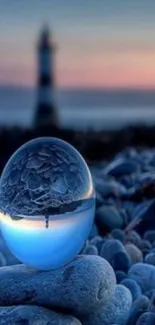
(117, 311)
(146, 318)
(150, 259)
(133, 237)
(107, 217)
(90, 250)
(150, 236)
(34, 315)
(121, 167)
(134, 252)
(144, 275)
(133, 287)
(82, 285)
(118, 234)
(139, 306)
(114, 252)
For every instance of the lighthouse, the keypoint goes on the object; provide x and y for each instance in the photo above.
(46, 113)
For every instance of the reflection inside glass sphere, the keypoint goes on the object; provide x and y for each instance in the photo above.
(47, 203)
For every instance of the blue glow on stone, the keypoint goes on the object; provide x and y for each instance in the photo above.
(47, 203)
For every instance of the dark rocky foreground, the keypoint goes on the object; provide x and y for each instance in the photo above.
(93, 145)
(112, 281)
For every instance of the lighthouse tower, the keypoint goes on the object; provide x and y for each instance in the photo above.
(46, 111)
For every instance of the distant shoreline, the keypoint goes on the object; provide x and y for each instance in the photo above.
(81, 110)
(88, 97)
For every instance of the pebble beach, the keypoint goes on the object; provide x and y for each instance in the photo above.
(112, 280)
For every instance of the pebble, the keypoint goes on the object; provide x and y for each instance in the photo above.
(98, 242)
(145, 244)
(133, 237)
(108, 218)
(34, 315)
(90, 250)
(110, 188)
(150, 236)
(134, 252)
(150, 293)
(133, 286)
(111, 247)
(121, 261)
(150, 259)
(139, 306)
(152, 302)
(147, 318)
(82, 285)
(120, 167)
(95, 240)
(116, 312)
(118, 234)
(144, 275)
(114, 252)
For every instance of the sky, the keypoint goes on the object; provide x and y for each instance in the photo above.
(100, 43)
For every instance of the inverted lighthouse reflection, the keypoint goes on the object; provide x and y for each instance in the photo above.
(47, 203)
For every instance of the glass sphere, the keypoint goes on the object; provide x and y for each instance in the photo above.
(47, 203)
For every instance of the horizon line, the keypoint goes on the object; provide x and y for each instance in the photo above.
(78, 88)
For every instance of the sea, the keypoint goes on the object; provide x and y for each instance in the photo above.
(81, 109)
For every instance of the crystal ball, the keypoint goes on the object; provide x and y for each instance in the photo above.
(47, 203)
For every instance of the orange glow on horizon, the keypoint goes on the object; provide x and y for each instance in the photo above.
(131, 69)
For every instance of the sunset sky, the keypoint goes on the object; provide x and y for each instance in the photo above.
(101, 43)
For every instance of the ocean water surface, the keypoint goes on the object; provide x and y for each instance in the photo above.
(81, 109)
